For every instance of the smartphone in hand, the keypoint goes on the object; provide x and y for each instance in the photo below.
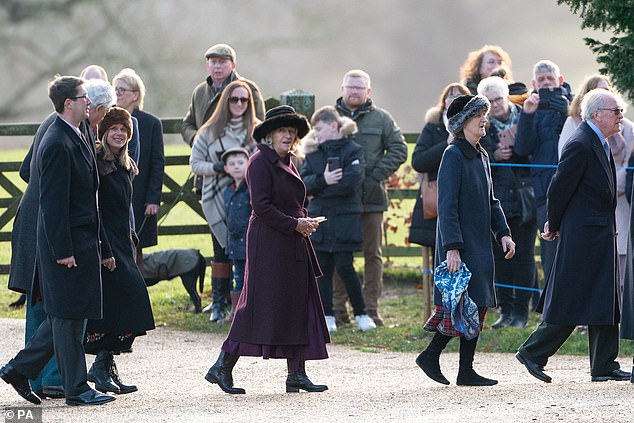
(334, 163)
(546, 94)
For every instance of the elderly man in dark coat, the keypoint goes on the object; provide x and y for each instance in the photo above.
(582, 287)
(68, 260)
(279, 313)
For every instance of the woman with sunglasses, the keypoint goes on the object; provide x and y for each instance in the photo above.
(231, 125)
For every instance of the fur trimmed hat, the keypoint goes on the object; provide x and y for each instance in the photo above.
(114, 116)
(279, 117)
(464, 108)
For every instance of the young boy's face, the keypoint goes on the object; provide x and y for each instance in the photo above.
(236, 166)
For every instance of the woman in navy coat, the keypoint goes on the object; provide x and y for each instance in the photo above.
(148, 184)
(468, 214)
(279, 313)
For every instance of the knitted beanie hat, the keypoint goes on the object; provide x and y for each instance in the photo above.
(464, 108)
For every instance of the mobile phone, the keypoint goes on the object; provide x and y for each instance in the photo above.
(334, 163)
(320, 218)
(545, 94)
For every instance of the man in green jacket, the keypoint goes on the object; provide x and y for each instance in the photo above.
(385, 150)
(220, 60)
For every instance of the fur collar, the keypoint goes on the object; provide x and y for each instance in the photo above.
(309, 144)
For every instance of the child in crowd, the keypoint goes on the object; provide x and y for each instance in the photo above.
(333, 172)
(238, 211)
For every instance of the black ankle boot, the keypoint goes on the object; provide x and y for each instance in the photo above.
(299, 380)
(430, 364)
(123, 388)
(429, 360)
(220, 373)
(466, 375)
(99, 373)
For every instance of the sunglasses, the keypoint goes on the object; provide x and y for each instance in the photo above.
(235, 100)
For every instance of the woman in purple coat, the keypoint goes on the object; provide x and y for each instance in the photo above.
(279, 313)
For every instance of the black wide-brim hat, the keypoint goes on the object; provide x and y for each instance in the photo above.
(280, 117)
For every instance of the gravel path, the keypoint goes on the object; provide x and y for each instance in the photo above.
(168, 366)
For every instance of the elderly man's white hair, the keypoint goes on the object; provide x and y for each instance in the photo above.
(493, 83)
(597, 99)
(100, 93)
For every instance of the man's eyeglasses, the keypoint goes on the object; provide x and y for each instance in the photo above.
(121, 90)
(85, 97)
(354, 88)
(496, 100)
(235, 100)
(615, 110)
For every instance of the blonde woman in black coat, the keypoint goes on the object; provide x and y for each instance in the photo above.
(126, 305)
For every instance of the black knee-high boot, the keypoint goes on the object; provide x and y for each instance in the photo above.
(466, 375)
(220, 273)
(429, 359)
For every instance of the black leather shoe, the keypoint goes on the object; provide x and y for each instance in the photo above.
(617, 374)
(533, 368)
(431, 367)
(20, 383)
(90, 397)
(53, 392)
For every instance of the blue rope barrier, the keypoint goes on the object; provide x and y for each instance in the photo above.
(501, 285)
(524, 288)
(544, 166)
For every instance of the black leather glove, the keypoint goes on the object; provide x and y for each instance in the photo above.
(559, 103)
(219, 167)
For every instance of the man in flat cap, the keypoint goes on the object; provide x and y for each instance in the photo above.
(220, 60)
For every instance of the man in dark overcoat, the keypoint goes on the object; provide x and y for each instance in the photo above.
(583, 286)
(68, 259)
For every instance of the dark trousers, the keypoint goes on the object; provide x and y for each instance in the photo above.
(519, 271)
(62, 338)
(343, 262)
(220, 255)
(603, 342)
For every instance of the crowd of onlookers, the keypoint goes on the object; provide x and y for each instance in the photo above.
(288, 200)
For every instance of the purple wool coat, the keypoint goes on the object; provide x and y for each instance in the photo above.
(281, 265)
